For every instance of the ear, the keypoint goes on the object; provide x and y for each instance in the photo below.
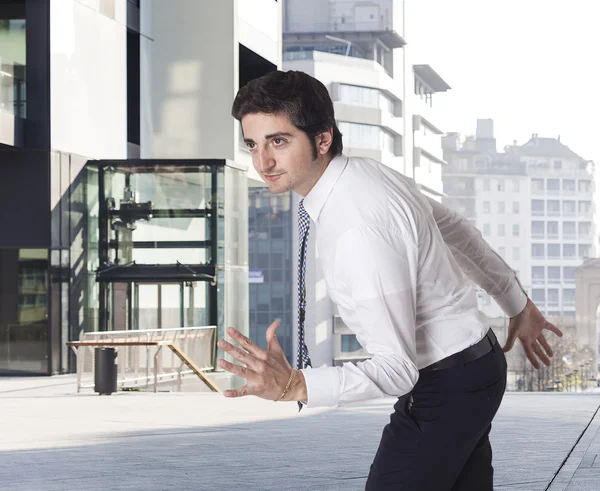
(324, 141)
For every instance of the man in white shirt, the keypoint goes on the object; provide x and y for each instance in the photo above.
(401, 268)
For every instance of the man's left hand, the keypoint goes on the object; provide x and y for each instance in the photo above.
(529, 327)
(266, 371)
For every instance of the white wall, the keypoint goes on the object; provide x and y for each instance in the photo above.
(259, 28)
(189, 78)
(88, 82)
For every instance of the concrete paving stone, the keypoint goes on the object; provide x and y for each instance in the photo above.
(54, 439)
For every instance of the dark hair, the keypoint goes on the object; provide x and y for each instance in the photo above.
(303, 98)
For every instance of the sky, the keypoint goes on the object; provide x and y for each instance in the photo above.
(532, 66)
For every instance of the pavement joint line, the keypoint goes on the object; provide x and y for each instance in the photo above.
(560, 467)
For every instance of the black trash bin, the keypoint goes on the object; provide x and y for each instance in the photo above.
(105, 371)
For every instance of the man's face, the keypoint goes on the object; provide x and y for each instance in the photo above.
(281, 153)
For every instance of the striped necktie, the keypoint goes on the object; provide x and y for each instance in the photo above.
(303, 360)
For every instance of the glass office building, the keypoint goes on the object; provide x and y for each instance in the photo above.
(271, 262)
(133, 244)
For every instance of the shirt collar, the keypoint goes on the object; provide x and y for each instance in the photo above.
(315, 199)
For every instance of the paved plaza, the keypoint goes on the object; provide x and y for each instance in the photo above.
(55, 439)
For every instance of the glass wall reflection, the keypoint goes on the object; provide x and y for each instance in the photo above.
(270, 256)
(24, 310)
(12, 57)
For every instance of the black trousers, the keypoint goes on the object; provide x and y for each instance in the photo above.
(437, 438)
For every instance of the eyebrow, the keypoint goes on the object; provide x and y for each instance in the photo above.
(270, 136)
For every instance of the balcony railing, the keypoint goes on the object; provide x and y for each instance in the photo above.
(340, 25)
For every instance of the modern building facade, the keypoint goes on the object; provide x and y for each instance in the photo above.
(123, 168)
(384, 110)
(534, 204)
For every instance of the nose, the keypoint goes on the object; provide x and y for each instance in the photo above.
(263, 160)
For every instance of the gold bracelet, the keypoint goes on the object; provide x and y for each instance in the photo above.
(287, 387)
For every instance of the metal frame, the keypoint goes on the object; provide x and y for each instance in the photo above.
(181, 341)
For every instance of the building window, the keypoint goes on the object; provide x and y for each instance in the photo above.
(569, 296)
(537, 251)
(500, 206)
(350, 344)
(366, 136)
(584, 207)
(516, 186)
(569, 230)
(557, 164)
(502, 252)
(537, 230)
(516, 254)
(568, 274)
(537, 207)
(585, 186)
(486, 230)
(537, 185)
(552, 230)
(585, 229)
(569, 250)
(553, 207)
(501, 230)
(568, 207)
(500, 185)
(486, 206)
(486, 184)
(538, 295)
(515, 207)
(584, 251)
(516, 230)
(133, 87)
(568, 186)
(538, 275)
(365, 96)
(552, 296)
(553, 274)
(553, 251)
(553, 185)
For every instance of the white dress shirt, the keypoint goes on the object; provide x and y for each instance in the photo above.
(400, 268)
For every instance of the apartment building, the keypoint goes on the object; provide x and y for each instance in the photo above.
(533, 203)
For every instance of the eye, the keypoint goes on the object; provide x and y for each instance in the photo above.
(250, 145)
(278, 141)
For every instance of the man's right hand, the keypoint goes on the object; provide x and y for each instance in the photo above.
(528, 326)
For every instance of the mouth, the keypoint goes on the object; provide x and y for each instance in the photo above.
(272, 177)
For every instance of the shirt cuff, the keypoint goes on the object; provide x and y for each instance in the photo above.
(322, 386)
(513, 301)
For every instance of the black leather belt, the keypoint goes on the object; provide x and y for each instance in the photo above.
(467, 355)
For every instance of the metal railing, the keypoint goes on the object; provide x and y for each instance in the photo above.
(141, 359)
